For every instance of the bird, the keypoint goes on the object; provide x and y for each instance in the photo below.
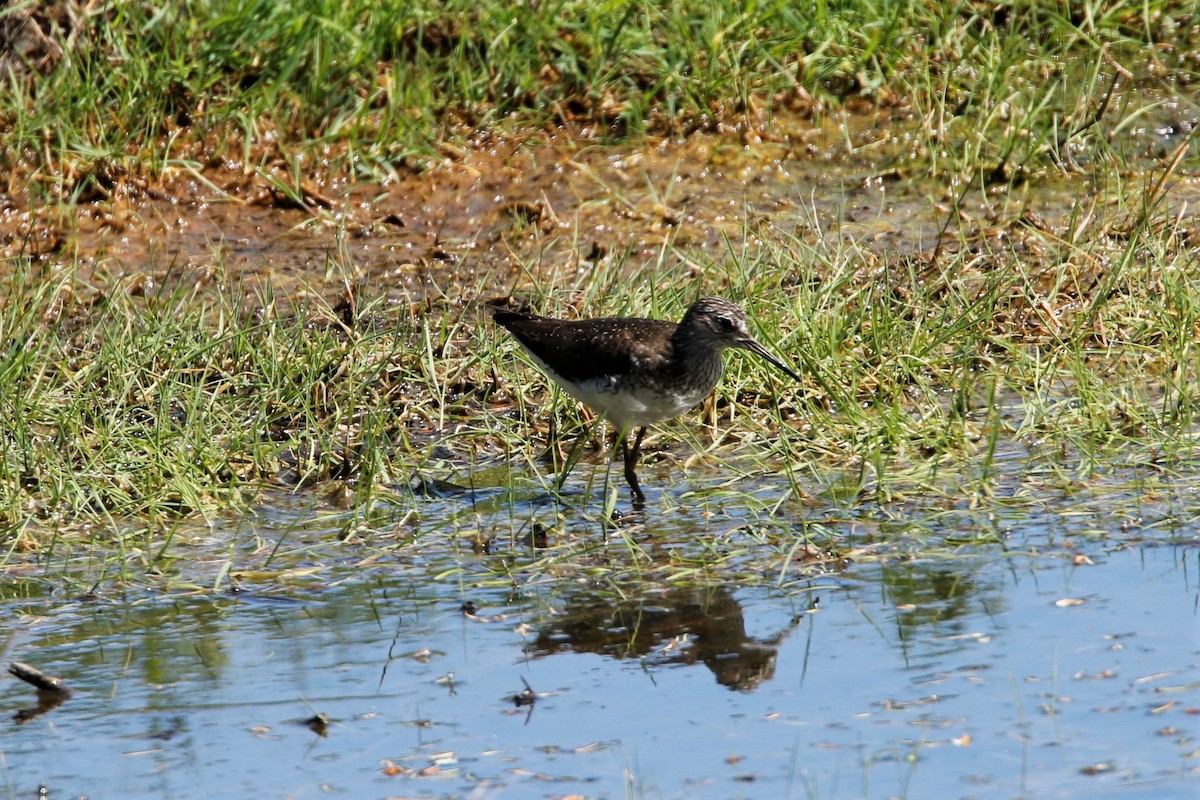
(636, 372)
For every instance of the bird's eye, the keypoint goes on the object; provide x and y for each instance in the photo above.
(725, 323)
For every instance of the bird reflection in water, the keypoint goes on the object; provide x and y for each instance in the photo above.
(711, 619)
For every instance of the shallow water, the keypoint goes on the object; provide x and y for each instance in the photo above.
(1038, 641)
(962, 652)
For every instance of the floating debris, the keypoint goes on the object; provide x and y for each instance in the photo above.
(51, 691)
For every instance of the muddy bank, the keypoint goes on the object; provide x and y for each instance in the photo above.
(546, 209)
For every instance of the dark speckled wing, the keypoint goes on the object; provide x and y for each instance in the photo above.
(579, 350)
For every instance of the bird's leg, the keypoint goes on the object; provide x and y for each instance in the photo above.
(630, 455)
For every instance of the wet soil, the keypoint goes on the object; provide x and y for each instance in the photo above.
(545, 208)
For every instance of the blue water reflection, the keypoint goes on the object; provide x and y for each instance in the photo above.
(991, 671)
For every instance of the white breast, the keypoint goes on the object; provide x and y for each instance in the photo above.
(639, 406)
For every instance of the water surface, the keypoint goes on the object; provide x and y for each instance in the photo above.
(1057, 654)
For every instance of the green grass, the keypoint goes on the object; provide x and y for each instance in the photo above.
(1075, 343)
(118, 402)
(374, 88)
(114, 406)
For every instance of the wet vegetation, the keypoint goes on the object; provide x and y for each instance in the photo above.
(1047, 295)
(270, 474)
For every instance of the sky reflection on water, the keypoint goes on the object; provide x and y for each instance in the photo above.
(994, 671)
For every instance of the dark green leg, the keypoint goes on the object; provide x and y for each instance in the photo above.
(631, 455)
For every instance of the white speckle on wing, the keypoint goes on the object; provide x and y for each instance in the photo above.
(624, 405)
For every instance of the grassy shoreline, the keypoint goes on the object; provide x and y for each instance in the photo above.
(191, 403)
(1077, 341)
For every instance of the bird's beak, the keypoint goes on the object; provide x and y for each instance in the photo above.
(753, 346)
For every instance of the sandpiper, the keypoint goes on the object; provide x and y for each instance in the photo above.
(636, 371)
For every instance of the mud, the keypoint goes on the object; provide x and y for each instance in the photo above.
(506, 213)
